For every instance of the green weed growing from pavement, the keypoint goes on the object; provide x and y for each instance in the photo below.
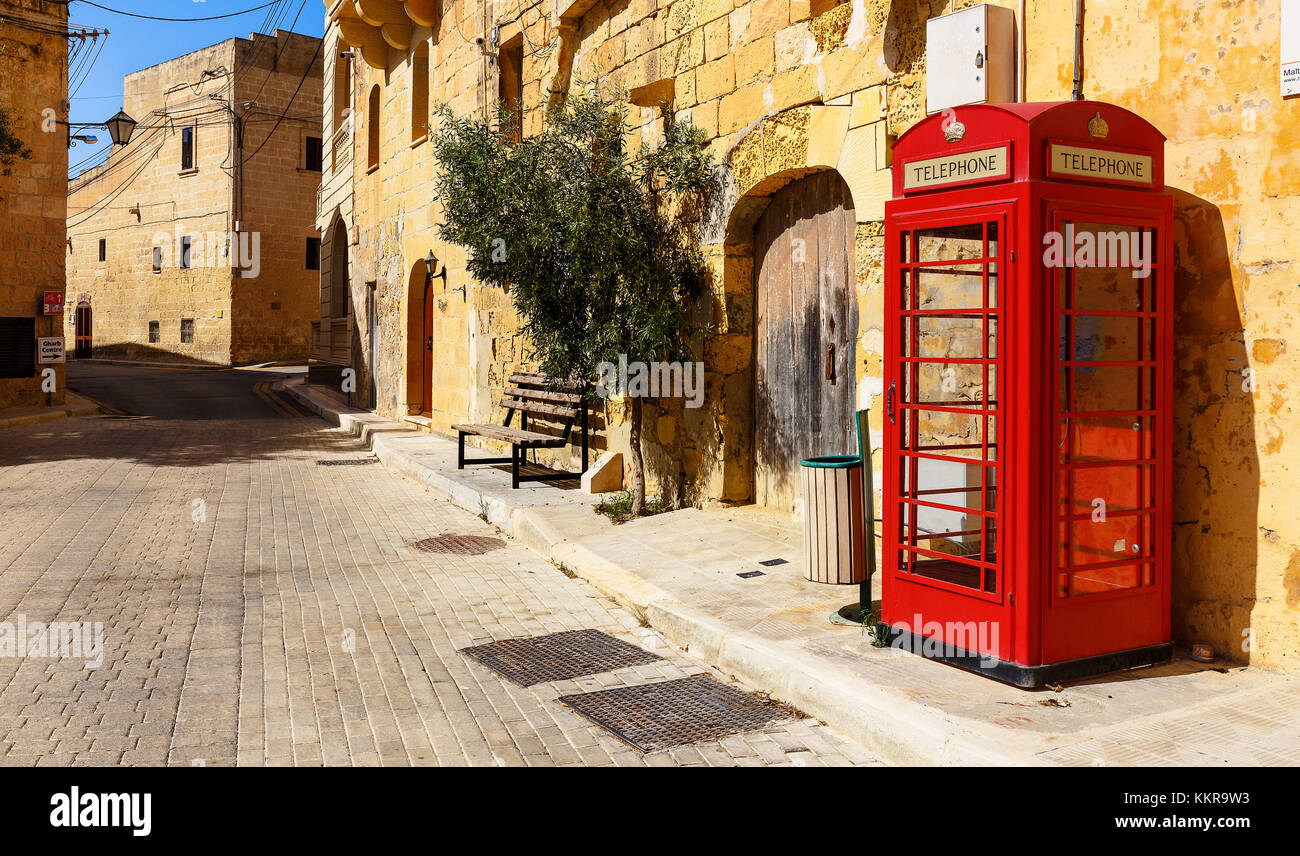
(619, 506)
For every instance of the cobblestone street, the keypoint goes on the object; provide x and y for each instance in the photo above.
(261, 608)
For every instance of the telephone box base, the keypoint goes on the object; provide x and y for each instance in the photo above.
(1027, 676)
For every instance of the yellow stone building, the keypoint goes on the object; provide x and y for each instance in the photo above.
(196, 240)
(33, 92)
(801, 100)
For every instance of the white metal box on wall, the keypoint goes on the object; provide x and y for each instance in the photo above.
(970, 58)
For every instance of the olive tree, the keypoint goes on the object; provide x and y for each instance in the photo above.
(594, 238)
(11, 148)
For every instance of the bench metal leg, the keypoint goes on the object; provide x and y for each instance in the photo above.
(460, 452)
(585, 442)
(515, 454)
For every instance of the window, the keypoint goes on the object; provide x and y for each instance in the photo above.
(342, 89)
(103, 249)
(372, 122)
(157, 259)
(187, 331)
(420, 92)
(154, 336)
(313, 154)
(17, 347)
(313, 254)
(510, 80)
(187, 148)
(185, 253)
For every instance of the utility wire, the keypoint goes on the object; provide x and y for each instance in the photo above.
(176, 20)
(310, 64)
(102, 204)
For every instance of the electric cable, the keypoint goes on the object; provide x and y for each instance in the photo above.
(289, 103)
(175, 20)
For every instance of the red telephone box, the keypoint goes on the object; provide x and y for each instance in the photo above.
(1029, 345)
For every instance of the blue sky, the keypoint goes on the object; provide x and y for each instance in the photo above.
(133, 44)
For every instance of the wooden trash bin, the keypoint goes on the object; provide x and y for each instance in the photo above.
(834, 543)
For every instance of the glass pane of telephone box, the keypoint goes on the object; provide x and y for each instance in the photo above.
(1105, 486)
(950, 243)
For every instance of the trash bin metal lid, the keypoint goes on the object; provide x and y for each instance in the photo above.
(834, 462)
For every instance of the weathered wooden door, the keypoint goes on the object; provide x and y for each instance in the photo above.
(82, 343)
(806, 330)
(426, 342)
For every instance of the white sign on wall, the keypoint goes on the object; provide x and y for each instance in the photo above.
(1290, 44)
(49, 350)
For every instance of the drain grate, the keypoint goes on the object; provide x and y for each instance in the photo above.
(459, 545)
(559, 656)
(347, 462)
(675, 713)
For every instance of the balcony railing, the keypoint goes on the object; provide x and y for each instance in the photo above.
(341, 146)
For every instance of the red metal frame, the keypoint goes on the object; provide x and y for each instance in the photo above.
(1034, 451)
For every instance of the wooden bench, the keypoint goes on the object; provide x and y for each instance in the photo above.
(532, 394)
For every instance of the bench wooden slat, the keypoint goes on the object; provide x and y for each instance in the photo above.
(542, 409)
(539, 379)
(539, 395)
(513, 435)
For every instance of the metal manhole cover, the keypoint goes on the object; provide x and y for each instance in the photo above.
(347, 462)
(675, 713)
(559, 656)
(459, 545)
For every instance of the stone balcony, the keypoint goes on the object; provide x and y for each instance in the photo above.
(374, 27)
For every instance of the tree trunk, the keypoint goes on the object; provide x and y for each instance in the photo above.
(638, 465)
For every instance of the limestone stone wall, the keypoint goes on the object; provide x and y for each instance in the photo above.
(1207, 77)
(33, 89)
(143, 198)
(273, 312)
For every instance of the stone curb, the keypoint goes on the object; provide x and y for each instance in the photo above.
(66, 412)
(880, 721)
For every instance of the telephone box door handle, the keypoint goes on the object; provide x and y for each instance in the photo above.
(889, 400)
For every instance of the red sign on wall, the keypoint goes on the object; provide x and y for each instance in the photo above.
(54, 303)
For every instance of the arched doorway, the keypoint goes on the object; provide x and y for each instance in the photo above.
(805, 335)
(419, 340)
(426, 363)
(82, 342)
(340, 296)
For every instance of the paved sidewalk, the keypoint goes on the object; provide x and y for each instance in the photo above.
(74, 405)
(679, 571)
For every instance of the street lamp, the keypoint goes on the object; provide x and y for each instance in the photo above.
(431, 262)
(120, 128)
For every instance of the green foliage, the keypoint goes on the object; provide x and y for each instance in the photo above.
(870, 620)
(595, 243)
(11, 148)
(619, 506)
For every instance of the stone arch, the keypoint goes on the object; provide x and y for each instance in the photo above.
(336, 299)
(777, 150)
(418, 358)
